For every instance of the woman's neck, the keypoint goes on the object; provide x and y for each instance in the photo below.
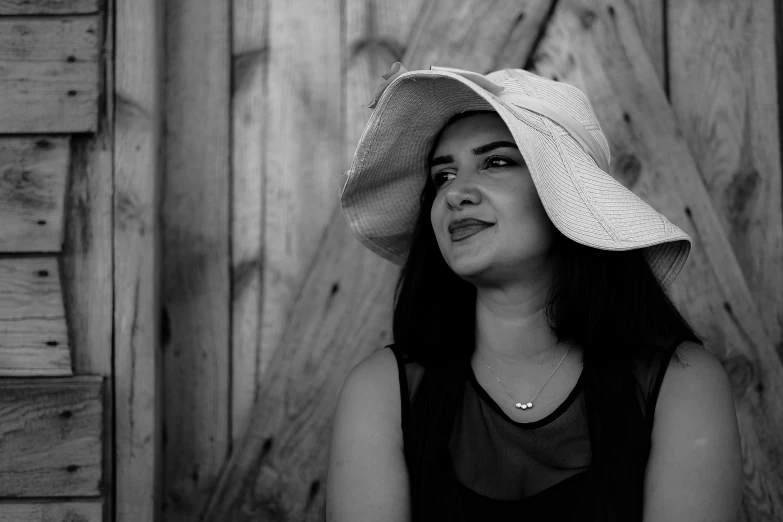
(512, 328)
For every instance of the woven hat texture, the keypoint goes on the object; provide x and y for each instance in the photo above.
(380, 197)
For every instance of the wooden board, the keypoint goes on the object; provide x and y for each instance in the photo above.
(342, 314)
(33, 330)
(303, 165)
(596, 47)
(33, 177)
(87, 255)
(725, 94)
(52, 437)
(138, 89)
(49, 74)
(650, 21)
(250, 27)
(446, 34)
(49, 7)
(50, 510)
(196, 260)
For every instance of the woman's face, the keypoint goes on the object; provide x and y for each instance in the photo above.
(479, 174)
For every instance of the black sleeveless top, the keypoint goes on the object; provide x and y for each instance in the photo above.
(498, 469)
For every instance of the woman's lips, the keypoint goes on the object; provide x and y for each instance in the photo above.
(466, 232)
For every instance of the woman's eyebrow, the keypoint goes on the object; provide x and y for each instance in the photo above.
(482, 149)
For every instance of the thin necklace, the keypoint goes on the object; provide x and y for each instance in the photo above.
(528, 405)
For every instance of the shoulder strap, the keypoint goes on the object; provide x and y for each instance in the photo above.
(404, 390)
(656, 388)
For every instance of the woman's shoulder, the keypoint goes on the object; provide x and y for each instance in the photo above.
(374, 376)
(692, 378)
(696, 451)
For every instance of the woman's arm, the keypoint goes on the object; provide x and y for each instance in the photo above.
(694, 471)
(367, 479)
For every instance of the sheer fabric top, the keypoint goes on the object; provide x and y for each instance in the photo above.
(505, 468)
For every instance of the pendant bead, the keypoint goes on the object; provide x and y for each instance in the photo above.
(529, 404)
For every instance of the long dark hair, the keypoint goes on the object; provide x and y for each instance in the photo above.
(609, 302)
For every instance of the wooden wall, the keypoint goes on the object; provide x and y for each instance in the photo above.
(181, 296)
(55, 345)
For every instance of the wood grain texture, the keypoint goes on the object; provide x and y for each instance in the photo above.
(33, 329)
(446, 34)
(33, 177)
(52, 437)
(725, 94)
(137, 171)
(87, 256)
(596, 47)
(250, 55)
(343, 312)
(303, 162)
(650, 22)
(51, 511)
(49, 74)
(376, 36)
(48, 7)
(196, 262)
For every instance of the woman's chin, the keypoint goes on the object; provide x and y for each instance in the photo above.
(468, 266)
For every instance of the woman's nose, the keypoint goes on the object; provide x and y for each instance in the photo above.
(462, 191)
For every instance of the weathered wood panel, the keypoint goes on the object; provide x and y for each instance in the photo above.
(725, 94)
(250, 29)
(456, 42)
(51, 431)
(87, 255)
(650, 21)
(342, 314)
(48, 7)
(277, 471)
(596, 46)
(376, 37)
(33, 176)
(33, 330)
(137, 170)
(196, 263)
(303, 141)
(49, 74)
(51, 511)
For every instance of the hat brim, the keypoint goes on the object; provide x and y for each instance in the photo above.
(380, 198)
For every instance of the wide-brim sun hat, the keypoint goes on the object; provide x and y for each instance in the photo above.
(557, 133)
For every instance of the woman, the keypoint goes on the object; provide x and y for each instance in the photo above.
(539, 370)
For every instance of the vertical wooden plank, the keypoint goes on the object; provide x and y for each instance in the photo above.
(376, 33)
(650, 20)
(195, 220)
(303, 163)
(137, 138)
(87, 257)
(723, 73)
(250, 28)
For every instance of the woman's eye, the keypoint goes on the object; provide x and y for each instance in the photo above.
(438, 178)
(491, 162)
(494, 159)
